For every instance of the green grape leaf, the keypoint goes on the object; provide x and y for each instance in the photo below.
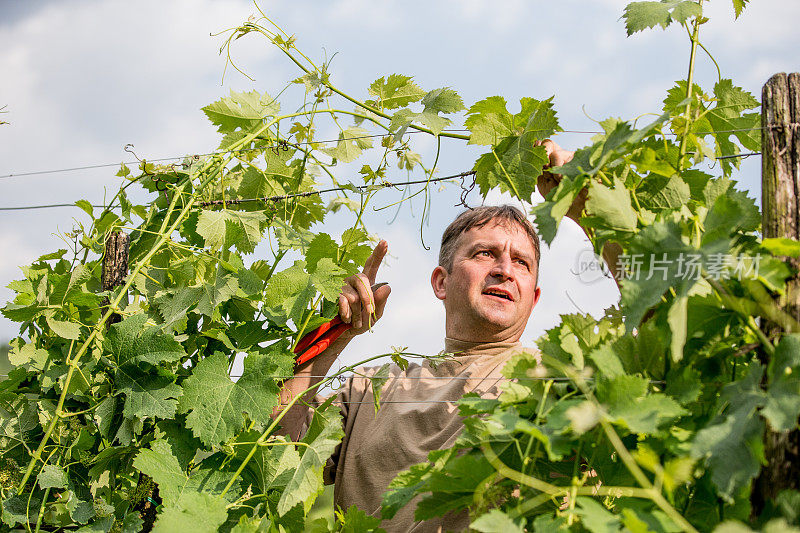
(394, 91)
(783, 393)
(29, 357)
(256, 183)
(148, 394)
(437, 101)
(607, 361)
(516, 163)
(163, 467)
(66, 330)
(198, 512)
(213, 227)
(548, 214)
(546, 523)
(640, 16)
(225, 228)
(352, 141)
(453, 486)
(213, 294)
(215, 404)
(289, 291)
(149, 391)
(322, 437)
(489, 121)
(328, 278)
(782, 246)
(732, 442)
(249, 282)
(443, 101)
(20, 509)
(731, 212)
(659, 193)
(357, 521)
(684, 384)
(52, 477)
(496, 521)
(243, 111)
(174, 304)
(132, 523)
(322, 245)
(658, 259)
(738, 6)
(248, 524)
(247, 229)
(727, 119)
(182, 443)
(270, 467)
(377, 381)
(611, 207)
(67, 287)
(403, 488)
(132, 341)
(627, 402)
(595, 517)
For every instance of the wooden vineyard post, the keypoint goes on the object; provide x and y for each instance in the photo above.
(115, 266)
(115, 270)
(780, 202)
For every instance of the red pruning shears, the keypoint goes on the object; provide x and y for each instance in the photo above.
(317, 341)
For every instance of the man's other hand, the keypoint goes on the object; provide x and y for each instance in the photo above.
(358, 304)
(549, 181)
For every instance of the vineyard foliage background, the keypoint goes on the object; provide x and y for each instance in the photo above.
(662, 400)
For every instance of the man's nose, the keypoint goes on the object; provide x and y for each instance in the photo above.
(502, 267)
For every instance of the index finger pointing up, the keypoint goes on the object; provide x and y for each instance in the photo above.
(374, 261)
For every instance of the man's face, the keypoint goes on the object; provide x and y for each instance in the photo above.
(491, 289)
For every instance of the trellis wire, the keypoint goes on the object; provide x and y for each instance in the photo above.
(382, 135)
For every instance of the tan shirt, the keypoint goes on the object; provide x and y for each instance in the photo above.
(418, 414)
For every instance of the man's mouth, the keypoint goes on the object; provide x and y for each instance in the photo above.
(499, 293)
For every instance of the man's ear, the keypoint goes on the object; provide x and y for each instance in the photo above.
(438, 277)
(536, 295)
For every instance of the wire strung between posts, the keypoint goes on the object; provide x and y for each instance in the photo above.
(449, 378)
(278, 146)
(382, 135)
(456, 378)
(266, 199)
(309, 193)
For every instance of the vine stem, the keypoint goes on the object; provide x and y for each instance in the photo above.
(37, 455)
(628, 460)
(346, 96)
(690, 86)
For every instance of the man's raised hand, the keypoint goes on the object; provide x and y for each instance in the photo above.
(358, 304)
(548, 181)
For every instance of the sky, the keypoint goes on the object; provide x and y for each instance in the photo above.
(80, 79)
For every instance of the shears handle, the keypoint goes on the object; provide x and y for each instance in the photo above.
(317, 341)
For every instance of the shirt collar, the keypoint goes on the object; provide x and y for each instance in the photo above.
(459, 347)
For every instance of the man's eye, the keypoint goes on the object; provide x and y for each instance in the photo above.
(522, 262)
(485, 253)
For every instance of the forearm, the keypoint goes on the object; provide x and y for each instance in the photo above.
(305, 379)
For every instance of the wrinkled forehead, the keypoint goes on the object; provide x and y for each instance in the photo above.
(497, 232)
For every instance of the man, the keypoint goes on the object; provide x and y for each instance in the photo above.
(487, 279)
